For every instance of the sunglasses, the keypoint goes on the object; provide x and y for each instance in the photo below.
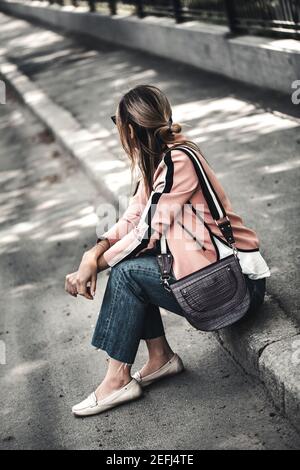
(114, 119)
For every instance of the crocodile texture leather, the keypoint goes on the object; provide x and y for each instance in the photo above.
(213, 297)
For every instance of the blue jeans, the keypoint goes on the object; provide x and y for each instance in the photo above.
(130, 307)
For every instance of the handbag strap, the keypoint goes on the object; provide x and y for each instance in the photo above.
(215, 206)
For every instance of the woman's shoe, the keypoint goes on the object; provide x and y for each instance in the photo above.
(90, 406)
(172, 367)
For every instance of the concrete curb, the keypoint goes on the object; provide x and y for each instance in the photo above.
(267, 346)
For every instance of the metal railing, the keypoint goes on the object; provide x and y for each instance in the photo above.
(273, 16)
(268, 17)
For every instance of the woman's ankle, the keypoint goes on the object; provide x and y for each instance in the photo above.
(159, 349)
(160, 355)
(111, 384)
(117, 381)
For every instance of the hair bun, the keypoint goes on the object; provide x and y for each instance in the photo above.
(176, 128)
(166, 133)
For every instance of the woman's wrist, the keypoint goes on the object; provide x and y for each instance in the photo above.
(102, 264)
(97, 250)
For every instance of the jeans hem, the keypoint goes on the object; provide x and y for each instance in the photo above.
(115, 356)
(153, 336)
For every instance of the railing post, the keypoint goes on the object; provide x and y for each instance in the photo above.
(92, 5)
(113, 7)
(139, 8)
(296, 18)
(231, 15)
(177, 11)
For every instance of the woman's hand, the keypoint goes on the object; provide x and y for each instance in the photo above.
(84, 281)
(71, 284)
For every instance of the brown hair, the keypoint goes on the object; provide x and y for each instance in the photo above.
(149, 112)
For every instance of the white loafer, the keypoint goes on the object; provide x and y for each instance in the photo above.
(172, 367)
(90, 406)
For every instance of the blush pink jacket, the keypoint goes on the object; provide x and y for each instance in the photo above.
(177, 207)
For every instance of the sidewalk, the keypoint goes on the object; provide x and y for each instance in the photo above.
(251, 138)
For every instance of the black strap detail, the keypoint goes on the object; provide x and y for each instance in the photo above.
(225, 226)
(226, 230)
(206, 185)
(165, 261)
(154, 201)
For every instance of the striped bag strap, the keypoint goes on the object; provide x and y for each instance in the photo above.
(215, 206)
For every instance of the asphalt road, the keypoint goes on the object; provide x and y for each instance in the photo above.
(47, 220)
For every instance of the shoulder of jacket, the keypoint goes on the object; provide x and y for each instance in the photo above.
(182, 158)
(173, 161)
(175, 154)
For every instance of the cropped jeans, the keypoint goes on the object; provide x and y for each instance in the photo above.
(130, 307)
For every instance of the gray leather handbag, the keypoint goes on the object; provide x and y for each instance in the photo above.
(215, 296)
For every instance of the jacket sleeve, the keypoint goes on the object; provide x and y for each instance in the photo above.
(129, 219)
(177, 180)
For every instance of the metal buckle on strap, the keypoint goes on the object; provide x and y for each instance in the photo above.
(165, 282)
(164, 270)
(235, 251)
(227, 219)
(226, 230)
